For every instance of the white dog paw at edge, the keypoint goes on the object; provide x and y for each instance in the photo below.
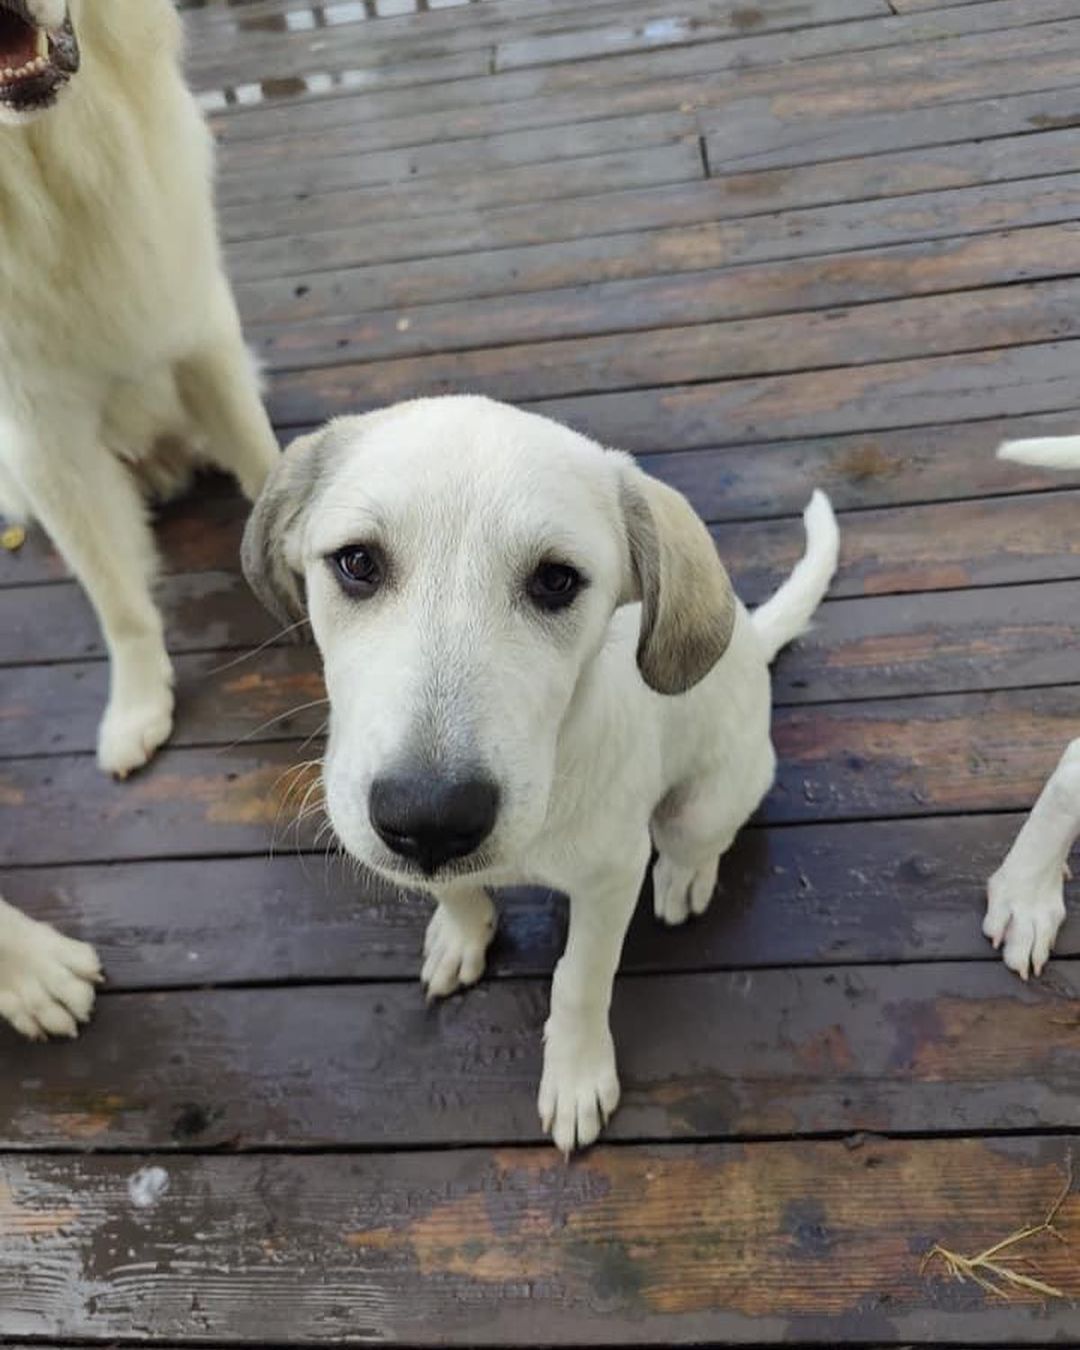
(47, 981)
(579, 1088)
(455, 946)
(130, 733)
(1023, 915)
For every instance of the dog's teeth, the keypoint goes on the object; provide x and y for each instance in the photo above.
(42, 44)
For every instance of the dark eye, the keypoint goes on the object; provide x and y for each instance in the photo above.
(359, 570)
(554, 585)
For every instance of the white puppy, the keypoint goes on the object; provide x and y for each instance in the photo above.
(1025, 896)
(534, 660)
(121, 360)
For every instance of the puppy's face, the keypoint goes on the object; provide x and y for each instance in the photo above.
(39, 53)
(461, 561)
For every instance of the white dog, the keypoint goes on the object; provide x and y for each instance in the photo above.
(121, 362)
(1025, 896)
(534, 659)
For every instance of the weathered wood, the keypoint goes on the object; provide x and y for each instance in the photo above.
(1013, 382)
(766, 62)
(924, 756)
(659, 1245)
(779, 143)
(898, 890)
(675, 31)
(985, 751)
(999, 540)
(948, 1048)
(829, 229)
(763, 192)
(302, 177)
(895, 330)
(677, 162)
(898, 645)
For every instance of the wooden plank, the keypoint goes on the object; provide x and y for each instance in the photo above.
(851, 761)
(647, 167)
(898, 329)
(664, 31)
(204, 611)
(899, 645)
(941, 1047)
(758, 480)
(1016, 381)
(766, 62)
(838, 279)
(758, 193)
(658, 1245)
(799, 136)
(898, 890)
(301, 178)
(910, 757)
(952, 641)
(787, 234)
(1001, 540)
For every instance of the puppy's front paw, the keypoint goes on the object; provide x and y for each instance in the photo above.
(46, 980)
(131, 731)
(455, 945)
(579, 1089)
(681, 891)
(1024, 913)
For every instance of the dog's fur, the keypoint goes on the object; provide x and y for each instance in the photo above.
(121, 363)
(643, 707)
(1025, 896)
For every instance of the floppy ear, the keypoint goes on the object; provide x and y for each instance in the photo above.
(688, 606)
(271, 573)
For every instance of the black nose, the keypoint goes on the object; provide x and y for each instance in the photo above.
(431, 819)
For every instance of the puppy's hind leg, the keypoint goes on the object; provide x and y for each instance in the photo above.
(693, 827)
(1025, 896)
(90, 506)
(220, 390)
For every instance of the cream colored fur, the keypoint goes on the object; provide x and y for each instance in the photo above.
(637, 715)
(120, 346)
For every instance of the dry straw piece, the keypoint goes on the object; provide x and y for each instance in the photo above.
(987, 1270)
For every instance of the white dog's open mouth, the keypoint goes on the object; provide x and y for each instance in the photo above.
(35, 62)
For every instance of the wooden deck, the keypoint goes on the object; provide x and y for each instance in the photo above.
(766, 246)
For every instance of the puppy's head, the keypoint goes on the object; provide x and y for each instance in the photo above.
(39, 53)
(460, 561)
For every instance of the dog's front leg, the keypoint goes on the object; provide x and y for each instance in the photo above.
(1025, 896)
(46, 980)
(89, 504)
(579, 1088)
(457, 938)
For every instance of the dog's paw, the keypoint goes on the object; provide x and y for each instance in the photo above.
(1023, 915)
(46, 980)
(455, 945)
(680, 891)
(579, 1088)
(130, 732)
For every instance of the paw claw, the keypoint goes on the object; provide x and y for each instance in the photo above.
(455, 946)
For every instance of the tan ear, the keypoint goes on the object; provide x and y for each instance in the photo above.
(264, 554)
(688, 606)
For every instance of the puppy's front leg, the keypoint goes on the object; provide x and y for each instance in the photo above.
(1026, 904)
(46, 980)
(579, 1088)
(457, 938)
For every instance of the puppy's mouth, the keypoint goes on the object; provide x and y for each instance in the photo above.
(35, 62)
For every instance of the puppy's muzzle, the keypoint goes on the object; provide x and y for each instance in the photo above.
(432, 821)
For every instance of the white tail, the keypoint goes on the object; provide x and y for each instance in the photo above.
(1049, 452)
(787, 613)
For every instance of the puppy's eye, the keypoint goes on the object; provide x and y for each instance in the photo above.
(359, 570)
(554, 585)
